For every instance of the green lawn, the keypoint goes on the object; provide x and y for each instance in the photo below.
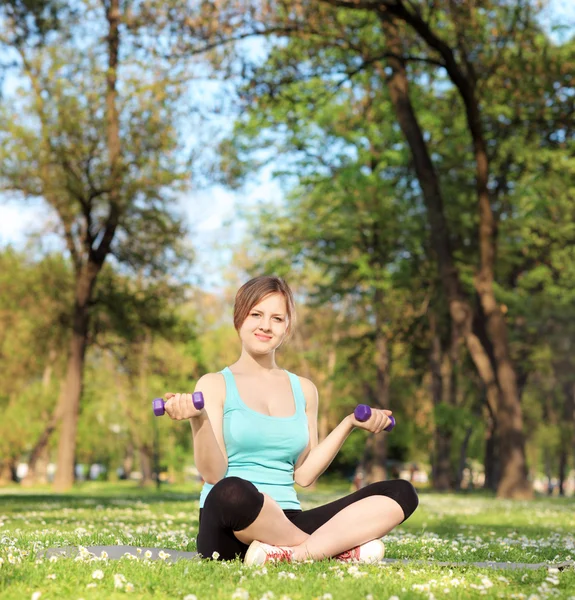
(468, 528)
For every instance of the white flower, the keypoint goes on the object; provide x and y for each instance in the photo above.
(163, 555)
(92, 585)
(240, 594)
(129, 587)
(191, 597)
(51, 576)
(215, 555)
(36, 595)
(119, 581)
(148, 554)
(98, 574)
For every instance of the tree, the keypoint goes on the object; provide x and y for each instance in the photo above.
(468, 44)
(97, 141)
(33, 336)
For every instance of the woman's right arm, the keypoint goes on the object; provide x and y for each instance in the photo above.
(210, 453)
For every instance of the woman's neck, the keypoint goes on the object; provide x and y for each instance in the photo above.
(248, 363)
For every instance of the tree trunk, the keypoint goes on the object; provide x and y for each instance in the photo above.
(325, 415)
(441, 459)
(491, 460)
(463, 460)
(145, 453)
(567, 433)
(8, 471)
(128, 461)
(74, 376)
(376, 468)
(40, 456)
(500, 382)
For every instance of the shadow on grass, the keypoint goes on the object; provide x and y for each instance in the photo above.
(89, 497)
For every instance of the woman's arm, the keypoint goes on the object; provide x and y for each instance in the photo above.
(210, 453)
(316, 458)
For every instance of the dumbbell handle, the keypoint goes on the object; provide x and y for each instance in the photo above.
(158, 404)
(362, 413)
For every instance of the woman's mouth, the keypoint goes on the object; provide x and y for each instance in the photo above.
(263, 338)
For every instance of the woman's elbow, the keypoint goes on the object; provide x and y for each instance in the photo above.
(304, 482)
(212, 477)
(212, 480)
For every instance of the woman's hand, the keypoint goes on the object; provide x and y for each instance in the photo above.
(180, 407)
(378, 421)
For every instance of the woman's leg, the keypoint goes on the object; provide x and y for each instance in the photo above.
(358, 523)
(236, 513)
(365, 515)
(272, 527)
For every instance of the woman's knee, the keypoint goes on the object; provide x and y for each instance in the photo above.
(406, 497)
(402, 492)
(237, 501)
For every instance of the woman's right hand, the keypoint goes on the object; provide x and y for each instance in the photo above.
(180, 407)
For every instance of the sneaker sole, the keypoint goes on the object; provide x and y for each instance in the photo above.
(249, 558)
(380, 553)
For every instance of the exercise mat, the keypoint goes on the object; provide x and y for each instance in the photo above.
(169, 555)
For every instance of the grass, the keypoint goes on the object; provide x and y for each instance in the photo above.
(466, 528)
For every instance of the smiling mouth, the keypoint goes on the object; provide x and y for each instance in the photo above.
(262, 337)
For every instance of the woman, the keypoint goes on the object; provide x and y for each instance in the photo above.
(257, 434)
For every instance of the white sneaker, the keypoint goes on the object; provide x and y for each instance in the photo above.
(370, 552)
(259, 553)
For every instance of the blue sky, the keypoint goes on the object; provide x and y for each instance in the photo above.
(211, 236)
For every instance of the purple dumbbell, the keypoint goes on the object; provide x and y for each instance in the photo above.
(158, 404)
(362, 413)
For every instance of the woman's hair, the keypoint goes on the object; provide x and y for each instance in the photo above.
(255, 290)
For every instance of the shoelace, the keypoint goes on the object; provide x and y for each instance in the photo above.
(279, 554)
(352, 554)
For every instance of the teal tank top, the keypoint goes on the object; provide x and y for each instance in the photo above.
(263, 449)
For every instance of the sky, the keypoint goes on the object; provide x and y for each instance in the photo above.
(214, 231)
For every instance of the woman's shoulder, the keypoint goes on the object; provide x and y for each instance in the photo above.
(211, 382)
(308, 388)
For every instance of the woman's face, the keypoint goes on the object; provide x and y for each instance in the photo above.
(266, 325)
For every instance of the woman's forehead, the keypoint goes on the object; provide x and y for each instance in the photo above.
(272, 302)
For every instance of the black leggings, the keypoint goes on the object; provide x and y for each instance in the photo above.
(234, 504)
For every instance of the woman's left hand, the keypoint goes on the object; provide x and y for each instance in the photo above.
(378, 421)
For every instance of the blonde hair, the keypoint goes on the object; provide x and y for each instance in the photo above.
(255, 290)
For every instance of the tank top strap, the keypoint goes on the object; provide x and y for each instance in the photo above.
(232, 394)
(298, 392)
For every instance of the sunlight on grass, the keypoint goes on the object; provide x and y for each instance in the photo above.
(462, 529)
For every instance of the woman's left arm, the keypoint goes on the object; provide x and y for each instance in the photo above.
(316, 458)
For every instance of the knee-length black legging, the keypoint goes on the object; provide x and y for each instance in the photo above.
(234, 503)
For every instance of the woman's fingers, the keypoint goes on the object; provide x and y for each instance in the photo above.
(180, 406)
(378, 421)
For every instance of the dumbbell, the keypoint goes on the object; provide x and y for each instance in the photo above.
(158, 404)
(362, 413)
